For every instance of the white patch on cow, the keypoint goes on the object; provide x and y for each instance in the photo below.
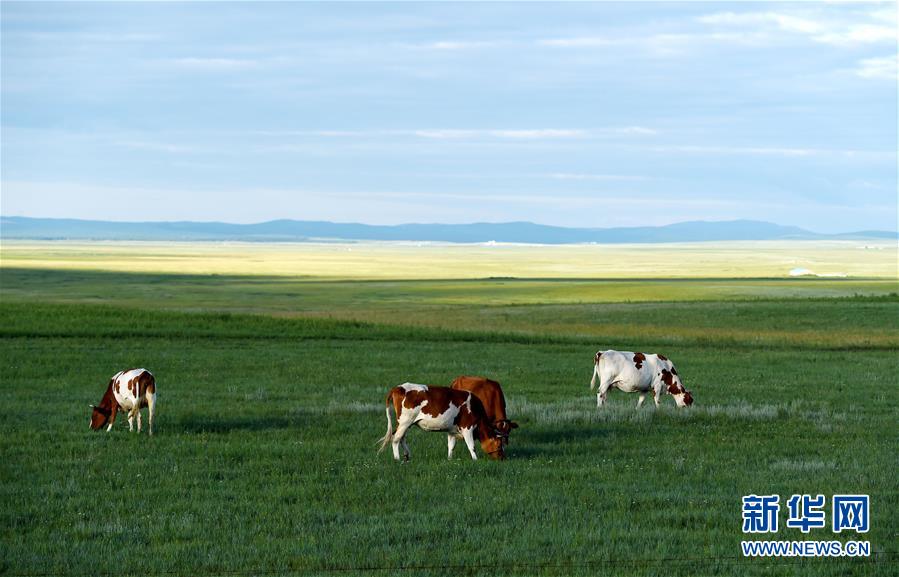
(124, 394)
(413, 387)
(468, 437)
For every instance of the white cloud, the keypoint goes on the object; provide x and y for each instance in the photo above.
(886, 68)
(861, 34)
(782, 21)
(844, 31)
(443, 134)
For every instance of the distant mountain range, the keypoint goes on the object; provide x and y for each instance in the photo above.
(14, 227)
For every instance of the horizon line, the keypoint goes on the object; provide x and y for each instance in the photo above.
(473, 223)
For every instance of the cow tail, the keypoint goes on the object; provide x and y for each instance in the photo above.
(595, 371)
(389, 435)
(595, 374)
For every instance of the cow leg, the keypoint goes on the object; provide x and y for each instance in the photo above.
(641, 399)
(656, 393)
(151, 410)
(407, 455)
(450, 445)
(468, 437)
(601, 395)
(140, 423)
(115, 409)
(131, 421)
(399, 438)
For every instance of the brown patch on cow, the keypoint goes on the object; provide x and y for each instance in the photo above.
(638, 360)
(396, 396)
(105, 412)
(688, 398)
(668, 379)
(412, 399)
(663, 357)
(673, 370)
(470, 409)
(493, 446)
(145, 382)
(438, 400)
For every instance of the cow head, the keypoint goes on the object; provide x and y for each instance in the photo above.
(99, 417)
(492, 442)
(682, 397)
(504, 428)
(493, 446)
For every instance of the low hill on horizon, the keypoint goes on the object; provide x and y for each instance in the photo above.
(26, 228)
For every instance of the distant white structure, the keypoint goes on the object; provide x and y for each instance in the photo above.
(807, 272)
(801, 272)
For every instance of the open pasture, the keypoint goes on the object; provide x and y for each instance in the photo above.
(265, 462)
(425, 260)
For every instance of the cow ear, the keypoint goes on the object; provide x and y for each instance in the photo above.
(513, 424)
(91, 406)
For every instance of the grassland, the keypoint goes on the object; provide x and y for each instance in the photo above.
(399, 260)
(265, 462)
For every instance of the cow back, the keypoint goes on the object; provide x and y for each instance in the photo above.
(488, 391)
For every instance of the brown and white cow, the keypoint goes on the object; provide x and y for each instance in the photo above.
(457, 413)
(491, 396)
(130, 391)
(638, 373)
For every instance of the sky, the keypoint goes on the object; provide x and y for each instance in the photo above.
(587, 115)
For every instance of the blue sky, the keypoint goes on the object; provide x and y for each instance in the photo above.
(593, 115)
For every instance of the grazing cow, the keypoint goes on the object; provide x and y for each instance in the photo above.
(491, 396)
(637, 373)
(130, 391)
(458, 413)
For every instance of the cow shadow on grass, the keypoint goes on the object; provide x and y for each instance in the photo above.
(550, 441)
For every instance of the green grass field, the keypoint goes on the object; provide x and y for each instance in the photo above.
(271, 393)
